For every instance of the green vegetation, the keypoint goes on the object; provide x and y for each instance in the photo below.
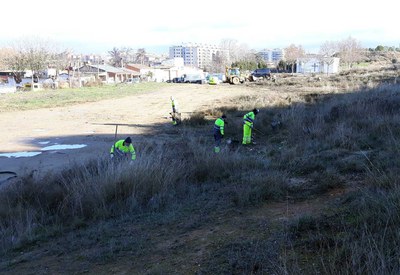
(182, 209)
(62, 97)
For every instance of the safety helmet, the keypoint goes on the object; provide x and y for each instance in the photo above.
(256, 111)
(128, 140)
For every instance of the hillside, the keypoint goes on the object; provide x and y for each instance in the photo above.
(317, 193)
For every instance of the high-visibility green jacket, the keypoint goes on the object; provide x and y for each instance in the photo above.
(174, 107)
(219, 126)
(248, 119)
(120, 145)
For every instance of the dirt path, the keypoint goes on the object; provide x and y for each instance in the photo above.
(30, 131)
(149, 247)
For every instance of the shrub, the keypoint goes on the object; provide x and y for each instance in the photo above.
(196, 119)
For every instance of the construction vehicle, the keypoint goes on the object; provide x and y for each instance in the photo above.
(234, 76)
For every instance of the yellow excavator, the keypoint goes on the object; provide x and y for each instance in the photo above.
(234, 76)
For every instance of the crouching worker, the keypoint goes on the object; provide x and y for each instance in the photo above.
(122, 148)
(219, 126)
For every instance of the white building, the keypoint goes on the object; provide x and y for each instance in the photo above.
(317, 64)
(174, 62)
(195, 55)
(272, 55)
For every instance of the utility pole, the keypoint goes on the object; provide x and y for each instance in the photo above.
(79, 72)
(98, 70)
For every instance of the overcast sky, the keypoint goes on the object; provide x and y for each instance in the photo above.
(88, 26)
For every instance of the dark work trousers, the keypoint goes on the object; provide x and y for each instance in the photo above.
(217, 138)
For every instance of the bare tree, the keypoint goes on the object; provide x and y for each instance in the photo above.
(32, 54)
(116, 57)
(37, 55)
(244, 52)
(140, 56)
(127, 54)
(350, 51)
(327, 51)
(328, 48)
(292, 54)
(14, 61)
(232, 47)
(235, 52)
(219, 61)
(61, 61)
(4, 55)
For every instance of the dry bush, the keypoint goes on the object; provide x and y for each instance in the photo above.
(94, 83)
(101, 189)
(195, 119)
(359, 237)
(63, 84)
(351, 134)
(263, 187)
(97, 190)
(245, 255)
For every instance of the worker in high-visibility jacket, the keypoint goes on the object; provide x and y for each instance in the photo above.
(174, 114)
(248, 125)
(219, 131)
(122, 149)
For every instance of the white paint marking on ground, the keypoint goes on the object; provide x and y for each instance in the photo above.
(63, 147)
(20, 154)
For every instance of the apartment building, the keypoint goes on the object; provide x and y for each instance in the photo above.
(195, 54)
(272, 55)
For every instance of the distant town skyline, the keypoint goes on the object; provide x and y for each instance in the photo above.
(91, 27)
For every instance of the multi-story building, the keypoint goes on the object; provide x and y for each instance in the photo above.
(272, 55)
(194, 54)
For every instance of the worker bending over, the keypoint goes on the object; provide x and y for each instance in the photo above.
(174, 114)
(122, 148)
(248, 125)
(219, 126)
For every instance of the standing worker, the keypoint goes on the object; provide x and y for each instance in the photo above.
(122, 148)
(248, 125)
(174, 114)
(219, 126)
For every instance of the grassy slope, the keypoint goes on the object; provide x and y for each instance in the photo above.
(62, 97)
(315, 195)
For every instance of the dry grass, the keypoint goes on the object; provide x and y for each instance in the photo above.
(63, 97)
(325, 139)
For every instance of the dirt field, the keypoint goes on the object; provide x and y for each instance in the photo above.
(89, 124)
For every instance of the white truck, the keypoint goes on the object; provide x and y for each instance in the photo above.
(194, 78)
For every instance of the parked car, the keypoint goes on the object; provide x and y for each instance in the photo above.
(177, 80)
(132, 80)
(264, 73)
